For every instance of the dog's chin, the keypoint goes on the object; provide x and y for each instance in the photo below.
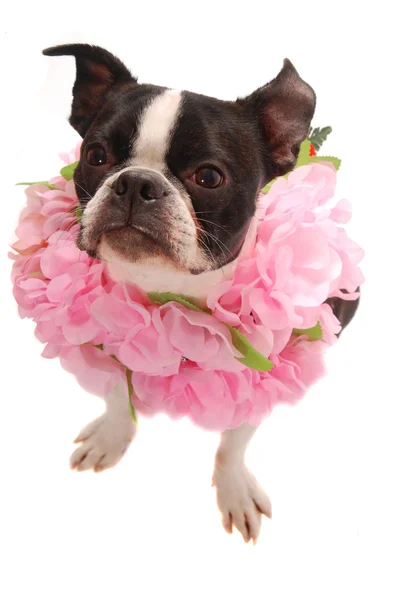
(130, 245)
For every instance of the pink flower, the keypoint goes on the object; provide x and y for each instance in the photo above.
(298, 367)
(301, 257)
(74, 285)
(47, 212)
(25, 268)
(220, 400)
(304, 265)
(213, 400)
(131, 331)
(183, 361)
(199, 337)
(96, 372)
(68, 158)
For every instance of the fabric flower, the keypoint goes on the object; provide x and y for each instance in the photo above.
(183, 362)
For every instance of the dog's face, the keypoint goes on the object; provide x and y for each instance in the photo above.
(174, 176)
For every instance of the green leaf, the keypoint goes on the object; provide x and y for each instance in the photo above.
(128, 375)
(164, 297)
(68, 171)
(331, 159)
(78, 213)
(305, 159)
(100, 347)
(253, 359)
(318, 136)
(268, 186)
(36, 274)
(314, 333)
(303, 156)
(46, 183)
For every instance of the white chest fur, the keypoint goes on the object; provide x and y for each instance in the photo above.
(158, 275)
(161, 275)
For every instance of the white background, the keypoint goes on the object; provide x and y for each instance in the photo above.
(149, 528)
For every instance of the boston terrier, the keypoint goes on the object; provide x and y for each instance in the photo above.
(168, 183)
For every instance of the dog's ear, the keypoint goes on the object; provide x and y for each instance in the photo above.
(98, 72)
(283, 110)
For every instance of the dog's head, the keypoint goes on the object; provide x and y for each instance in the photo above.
(174, 176)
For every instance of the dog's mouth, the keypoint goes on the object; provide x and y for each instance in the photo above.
(134, 241)
(163, 232)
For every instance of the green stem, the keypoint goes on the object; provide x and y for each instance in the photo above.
(128, 375)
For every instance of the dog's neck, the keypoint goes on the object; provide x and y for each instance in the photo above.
(161, 275)
(158, 275)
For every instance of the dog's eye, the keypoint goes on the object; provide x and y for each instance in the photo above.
(208, 178)
(96, 156)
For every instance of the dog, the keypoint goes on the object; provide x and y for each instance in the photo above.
(154, 163)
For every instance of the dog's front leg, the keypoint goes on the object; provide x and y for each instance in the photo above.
(104, 441)
(240, 498)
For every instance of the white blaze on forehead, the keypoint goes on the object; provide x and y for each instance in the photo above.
(153, 139)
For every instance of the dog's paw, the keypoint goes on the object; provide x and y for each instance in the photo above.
(241, 500)
(102, 443)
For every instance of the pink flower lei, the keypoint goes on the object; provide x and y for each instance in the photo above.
(257, 342)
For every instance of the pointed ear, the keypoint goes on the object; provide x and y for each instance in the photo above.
(283, 110)
(98, 72)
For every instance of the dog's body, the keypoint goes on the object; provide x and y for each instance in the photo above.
(168, 183)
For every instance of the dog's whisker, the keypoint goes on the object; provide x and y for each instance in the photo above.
(214, 224)
(207, 249)
(218, 242)
(83, 189)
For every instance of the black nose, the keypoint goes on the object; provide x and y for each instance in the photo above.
(139, 185)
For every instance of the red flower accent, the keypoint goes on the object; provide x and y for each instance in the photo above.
(312, 151)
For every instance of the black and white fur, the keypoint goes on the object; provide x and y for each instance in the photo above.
(147, 152)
